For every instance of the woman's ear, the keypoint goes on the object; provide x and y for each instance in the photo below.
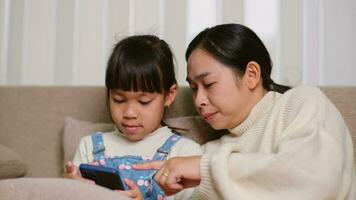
(252, 76)
(171, 95)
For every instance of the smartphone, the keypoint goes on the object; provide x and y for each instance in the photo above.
(101, 175)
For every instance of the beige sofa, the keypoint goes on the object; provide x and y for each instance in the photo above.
(37, 136)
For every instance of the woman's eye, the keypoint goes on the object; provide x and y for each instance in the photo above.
(193, 88)
(208, 85)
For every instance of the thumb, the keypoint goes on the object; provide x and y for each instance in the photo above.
(69, 167)
(149, 165)
(131, 184)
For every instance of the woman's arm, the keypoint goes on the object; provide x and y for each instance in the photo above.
(308, 156)
(176, 173)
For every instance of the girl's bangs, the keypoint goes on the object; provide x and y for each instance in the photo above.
(137, 78)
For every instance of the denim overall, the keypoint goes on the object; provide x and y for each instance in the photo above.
(143, 178)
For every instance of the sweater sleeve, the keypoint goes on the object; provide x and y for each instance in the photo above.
(310, 157)
(185, 147)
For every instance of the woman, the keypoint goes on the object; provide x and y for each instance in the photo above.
(283, 143)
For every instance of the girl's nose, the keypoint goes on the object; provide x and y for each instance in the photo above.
(130, 111)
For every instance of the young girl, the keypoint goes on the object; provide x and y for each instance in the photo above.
(140, 82)
(284, 143)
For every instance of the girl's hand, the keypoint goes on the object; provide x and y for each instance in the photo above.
(176, 173)
(134, 192)
(72, 172)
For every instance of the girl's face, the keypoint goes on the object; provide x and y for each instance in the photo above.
(137, 114)
(220, 97)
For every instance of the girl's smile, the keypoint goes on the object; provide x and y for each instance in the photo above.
(131, 128)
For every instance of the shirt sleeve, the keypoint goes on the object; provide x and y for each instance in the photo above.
(81, 155)
(312, 158)
(185, 147)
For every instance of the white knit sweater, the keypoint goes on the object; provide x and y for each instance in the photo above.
(294, 146)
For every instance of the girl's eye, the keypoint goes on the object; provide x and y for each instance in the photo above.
(118, 100)
(144, 102)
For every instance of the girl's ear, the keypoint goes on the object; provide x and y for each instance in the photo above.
(171, 95)
(252, 76)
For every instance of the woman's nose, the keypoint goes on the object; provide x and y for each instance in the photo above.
(200, 98)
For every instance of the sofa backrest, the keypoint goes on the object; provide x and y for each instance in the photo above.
(32, 118)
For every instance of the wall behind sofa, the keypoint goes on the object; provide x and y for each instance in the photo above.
(67, 42)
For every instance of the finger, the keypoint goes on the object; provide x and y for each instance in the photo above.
(135, 191)
(149, 165)
(79, 178)
(95, 163)
(161, 174)
(130, 184)
(170, 184)
(69, 167)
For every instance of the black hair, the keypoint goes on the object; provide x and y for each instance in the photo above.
(236, 45)
(141, 63)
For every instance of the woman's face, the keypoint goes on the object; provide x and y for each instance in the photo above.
(222, 98)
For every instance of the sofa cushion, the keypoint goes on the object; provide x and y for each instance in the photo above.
(11, 164)
(74, 130)
(54, 189)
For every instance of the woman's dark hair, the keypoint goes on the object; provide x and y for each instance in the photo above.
(141, 63)
(236, 45)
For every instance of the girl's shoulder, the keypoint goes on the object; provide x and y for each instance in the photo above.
(185, 147)
(105, 135)
(183, 139)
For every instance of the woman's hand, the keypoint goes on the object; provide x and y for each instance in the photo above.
(134, 192)
(72, 172)
(176, 173)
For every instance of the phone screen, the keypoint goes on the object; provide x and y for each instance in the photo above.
(104, 176)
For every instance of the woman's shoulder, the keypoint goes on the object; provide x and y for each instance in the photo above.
(306, 91)
(302, 94)
(303, 100)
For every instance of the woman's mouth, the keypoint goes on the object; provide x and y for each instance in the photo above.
(209, 116)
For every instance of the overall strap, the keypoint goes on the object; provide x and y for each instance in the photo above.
(98, 146)
(162, 152)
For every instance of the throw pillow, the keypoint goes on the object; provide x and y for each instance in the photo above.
(11, 164)
(74, 130)
(195, 128)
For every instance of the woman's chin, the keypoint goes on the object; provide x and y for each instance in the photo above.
(216, 126)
